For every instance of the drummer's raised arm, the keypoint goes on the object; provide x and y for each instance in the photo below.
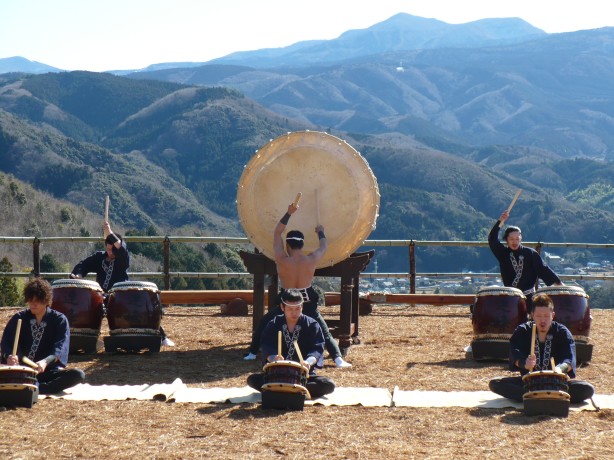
(504, 216)
(318, 253)
(278, 243)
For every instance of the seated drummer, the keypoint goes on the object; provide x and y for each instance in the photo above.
(43, 338)
(295, 326)
(552, 340)
(296, 271)
(110, 266)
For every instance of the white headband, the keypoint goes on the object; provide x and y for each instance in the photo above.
(296, 238)
(296, 304)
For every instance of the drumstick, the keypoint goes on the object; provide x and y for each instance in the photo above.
(106, 209)
(16, 342)
(533, 341)
(509, 208)
(317, 209)
(518, 192)
(552, 363)
(297, 199)
(298, 351)
(29, 362)
(279, 343)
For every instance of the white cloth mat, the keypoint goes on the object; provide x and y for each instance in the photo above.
(179, 392)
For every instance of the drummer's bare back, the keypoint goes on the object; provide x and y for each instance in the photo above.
(296, 270)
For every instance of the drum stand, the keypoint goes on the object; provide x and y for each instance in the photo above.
(346, 328)
(492, 348)
(84, 343)
(282, 401)
(584, 352)
(19, 396)
(132, 343)
(555, 407)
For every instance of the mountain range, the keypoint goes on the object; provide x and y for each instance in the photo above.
(451, 119)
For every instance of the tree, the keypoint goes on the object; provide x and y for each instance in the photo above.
(602, 296)
(9, 295)
(50, 265)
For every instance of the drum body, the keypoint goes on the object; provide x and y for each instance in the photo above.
(325, 170)
(81, 301)
(497, 311)
(18, 386)
(134, 313)
(285, 377)
(546, 385)
(134, 305)
(572, 309)
(546, 393)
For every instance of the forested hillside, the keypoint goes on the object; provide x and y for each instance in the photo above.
(29, 213)
(547, 91)
(172, 162)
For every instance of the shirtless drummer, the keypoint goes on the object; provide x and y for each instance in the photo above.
(296, 271)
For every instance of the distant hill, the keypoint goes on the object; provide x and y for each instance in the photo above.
(401, 32)
(23, 65)
(28, 212)
(170, 157)
(159, 147)
(450, 132)
(552, 92)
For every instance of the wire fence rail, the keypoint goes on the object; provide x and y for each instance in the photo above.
(167, 274)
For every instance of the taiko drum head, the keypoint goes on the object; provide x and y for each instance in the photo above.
(336, 184)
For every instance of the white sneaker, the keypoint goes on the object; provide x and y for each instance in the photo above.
(468, 349)
(339, 362)
(320, 363)
(249, 357)
(168, 342)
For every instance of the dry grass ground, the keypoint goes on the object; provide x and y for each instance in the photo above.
(410, 347)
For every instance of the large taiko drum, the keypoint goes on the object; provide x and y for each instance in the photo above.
(571, 308)
(497, 311)
(18, 386)
(338, 190)
(546, 393)
(134, 313)
(285, 377)
(82, 301)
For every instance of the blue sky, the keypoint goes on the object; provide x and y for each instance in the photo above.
(130, 34)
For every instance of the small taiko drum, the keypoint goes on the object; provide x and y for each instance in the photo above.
(496, 312)
(571, 308)
(18, 386)
(546, 393)
(82, 301)
(285, 377)
(285, 385)
(134, 313)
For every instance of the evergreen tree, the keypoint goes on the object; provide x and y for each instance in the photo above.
(9, 295)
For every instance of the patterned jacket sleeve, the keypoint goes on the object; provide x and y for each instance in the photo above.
(544, 271)
(87, 265)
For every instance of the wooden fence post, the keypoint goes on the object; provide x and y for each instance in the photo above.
(36, 257)
(412, 267)
(166, 268)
